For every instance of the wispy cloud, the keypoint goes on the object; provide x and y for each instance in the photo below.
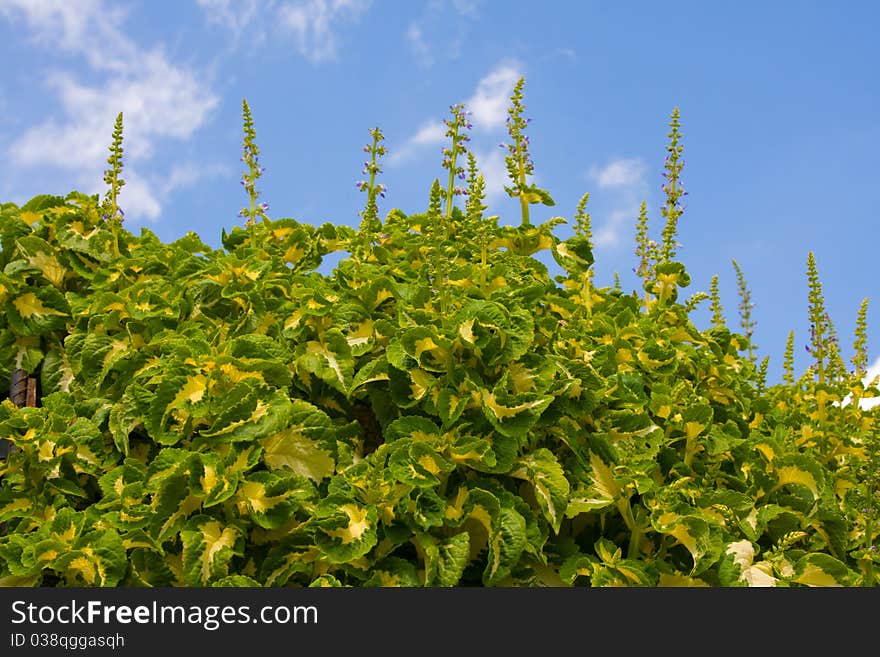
(492, 96)
(608, 234)
(234, 15)
(625, 178)
(313, 24)
(75, 28)
(432, 132)
(467, 7)
(491, 165)
(873, 373)
(865, 404)
(415, 37)
(187, 174)
(619, 173)
(449, 21)
(488, 107)
(159, 100)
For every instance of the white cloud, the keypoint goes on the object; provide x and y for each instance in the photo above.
(619, 173)
(625, 179)
(609, 233)
(313, 24)
(158, 98)
(416, 39)
(76, 27)
(235, 15)
(491, 165)
(872, 373)
(138, 197)
(432, 132)
(187, 174)
(441, 29)
(490, 100)
(466, 7)
(488, 107)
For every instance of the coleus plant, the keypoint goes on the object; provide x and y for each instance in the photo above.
(437, 411)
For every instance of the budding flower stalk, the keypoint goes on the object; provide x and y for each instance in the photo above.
(450, 155)
(251, 158)
(112, 176)
(518, 161)
(672, 210)
(370, 224)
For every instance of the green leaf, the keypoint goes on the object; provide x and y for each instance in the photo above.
(98, 559)
(329, 359)
(38, 311)
(543, 471)
(149, 568)
(346, 530)
(504, 530)
(513, 415)
(302, 446)
(208, 547)
(534, 195)
(819, 569)
(272, 499)
(417, 463)
(444, 559)
(701, 539)
(575, 254)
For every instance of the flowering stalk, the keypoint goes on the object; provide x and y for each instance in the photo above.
(583, 228)
(435, 228)
(370, 224)
(646, 250)
(762, 375)
(788, 360)
(251, 157)
(672, 210)
(818, 318)
(715, 306)
(112, 176)
(860, 346)
(518, 161)
(474, 208)
(745, 310)
(450, 155)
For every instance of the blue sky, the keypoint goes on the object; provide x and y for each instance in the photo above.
(779, 102)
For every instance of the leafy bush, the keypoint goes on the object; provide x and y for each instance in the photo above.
(437, 411)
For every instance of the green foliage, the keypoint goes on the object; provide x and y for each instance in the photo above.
(437, 411)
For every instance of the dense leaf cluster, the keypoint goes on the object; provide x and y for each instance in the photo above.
(438, 411)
